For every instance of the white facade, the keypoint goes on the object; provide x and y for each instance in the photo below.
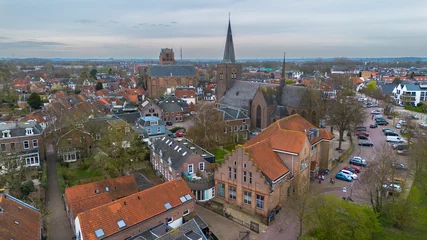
(410, 94)
(78, 230)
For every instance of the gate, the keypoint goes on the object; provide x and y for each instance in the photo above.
(254, 227)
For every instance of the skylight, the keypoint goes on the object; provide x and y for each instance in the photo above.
(183, 199)
(121, 223)
(99, 233)
(188, 197)
(168, 206)
(107, 189)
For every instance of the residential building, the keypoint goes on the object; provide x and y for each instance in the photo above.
(238, 124)
(82, 198)
(167, 56)
(127, 217)
(172, 109)
(260, 174)
(410, 94)
(164, 79)
(74, 145)
(19, 220)
(22, 141)
(153, 127)
(187, 94)
(172, 159)
(41, 118)
(149, 108)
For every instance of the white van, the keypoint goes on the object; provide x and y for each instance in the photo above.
(394, 139)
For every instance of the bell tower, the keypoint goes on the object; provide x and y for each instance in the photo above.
(228, 70)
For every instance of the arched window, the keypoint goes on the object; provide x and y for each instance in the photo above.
(293, 112)
(304, 114)
(258, 116)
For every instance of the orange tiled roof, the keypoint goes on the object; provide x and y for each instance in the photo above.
(28, 219)
(89, 203)
(117, 188)
(38, 116)
(179, 93)
(139, 207)
(287, 134)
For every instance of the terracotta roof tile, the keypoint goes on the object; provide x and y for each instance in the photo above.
(18, 221)
(117, 188)
(89, 203)
(139, 207)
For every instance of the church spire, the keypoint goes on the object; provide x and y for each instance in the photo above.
(229, 56)
(283, 79)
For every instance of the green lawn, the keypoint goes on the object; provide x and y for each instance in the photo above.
(419, 231)
(219, 155)
(230, 147)
(73, 176)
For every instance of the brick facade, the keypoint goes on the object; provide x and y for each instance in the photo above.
(157, 86)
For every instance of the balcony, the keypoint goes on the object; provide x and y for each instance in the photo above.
(202, 182)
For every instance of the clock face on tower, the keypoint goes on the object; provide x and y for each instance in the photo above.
(233, 70)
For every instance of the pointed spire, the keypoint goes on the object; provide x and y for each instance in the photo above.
(229, 56)
(283, 79)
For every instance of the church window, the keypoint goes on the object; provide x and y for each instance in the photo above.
(258, 117)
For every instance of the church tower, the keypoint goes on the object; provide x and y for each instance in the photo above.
(228, 70)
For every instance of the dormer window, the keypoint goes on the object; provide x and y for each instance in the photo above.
(29, 131)
(6, 134)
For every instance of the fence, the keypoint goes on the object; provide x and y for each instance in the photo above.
(219, 208)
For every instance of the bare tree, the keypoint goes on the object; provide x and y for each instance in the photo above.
(300, 204)
(208, 126)
(12, 172)
(344, 113)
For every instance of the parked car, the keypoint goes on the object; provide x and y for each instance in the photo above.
(179, 134)
(358, 161)
(399, 146)
(343, 176)
(403, 151)
(389, 117)
(390, 133)
(362, 133)
(403, 122)
(398, 126)
(392, 187)
(352, 175)
(382, 123)
(366, 144)
(399, 166)
(352, 169)
(373, 125)
(423, 124)
(169, 123)
(396, 180)
(361, 128)
(376, 112)
(363, 137)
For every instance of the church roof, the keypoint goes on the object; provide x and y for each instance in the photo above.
(298, 97)
(172, 70)
(232, 114)
(229, 56)
(241, 93)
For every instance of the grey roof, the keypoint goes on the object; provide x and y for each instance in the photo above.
(413, 87)
(189, 230)
(129, 117)
(229, 56)
(173, 150)
(172, 104)
(18, 129)
(241, 93)
(145, 121)
(172, 70)
(387, 88)
(280, 112)
(232, 114)
(296, 96)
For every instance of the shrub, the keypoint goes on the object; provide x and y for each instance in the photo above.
(44, 177)
(27, 188)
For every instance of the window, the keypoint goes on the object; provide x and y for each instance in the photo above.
(202, 166)
(244, 121)
(229, 172)
(247, 197)
(232, 192)
(149, 131)
(35, 143)
(186, 212)
(190, 168)
(235, 163)
(69, 140)
(236, 128)
(3, 147)
(213, 192)
(158, 130)
(246, 127)
(244, 176)
(244, 165)
(26, 145)
(221, 189)
(225, 130)
(121, 223)
(260, 201)
(12, 146)
(235, 174)
(99, 233)
(241, 127)
(304, 164)
(170, 220)
(250, 177)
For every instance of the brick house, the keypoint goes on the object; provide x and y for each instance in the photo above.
(84, 197)
(262, 173)
(238, 124)
(18, 219)
(74, 144)
(172, 109)
(187, 94)
(24, 141)
(38, 87)
(148, 108)
(172, 159)
(166, 203)
(164, 79)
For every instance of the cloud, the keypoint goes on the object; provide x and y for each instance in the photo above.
(28, 44)
(85, 21)
(174, 22)
(113, 22)
(4, 38)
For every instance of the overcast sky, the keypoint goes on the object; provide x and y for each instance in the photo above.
(261, 29)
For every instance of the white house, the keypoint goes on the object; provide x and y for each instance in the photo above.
(410, 94)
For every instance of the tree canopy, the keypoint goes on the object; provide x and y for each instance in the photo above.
(98, 86)
(93, 73)
(34, 101)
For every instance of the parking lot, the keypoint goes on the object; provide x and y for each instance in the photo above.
(355, 188)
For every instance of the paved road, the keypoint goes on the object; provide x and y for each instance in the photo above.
(58, 226)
